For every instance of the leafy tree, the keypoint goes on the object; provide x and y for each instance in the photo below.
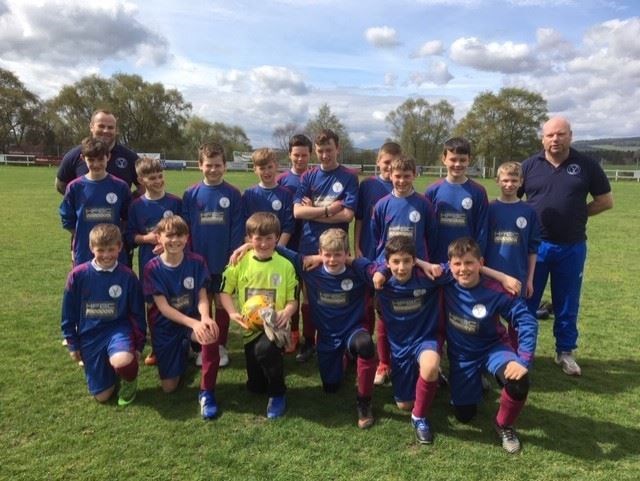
(325, 119)
(421, 128)
(198, 131)
(20, 113)
(505, 126)
(282, 134)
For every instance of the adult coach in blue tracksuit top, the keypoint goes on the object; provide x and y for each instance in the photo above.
(557, 182)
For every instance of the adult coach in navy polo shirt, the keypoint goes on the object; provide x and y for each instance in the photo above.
(122, 161)
(557, 183)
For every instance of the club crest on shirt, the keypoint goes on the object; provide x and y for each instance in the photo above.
(121, 163)
(521, 222)
(414, 216)
(167, 213)
(479, 311)
(346, 284)
(337, 187)
(467, 203)
(111, 198)
(224, 202)
(188, 283)
(276, 205)
(573, 169)
(276, 279)
(115, 291)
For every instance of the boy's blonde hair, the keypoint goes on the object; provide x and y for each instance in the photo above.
(262, 157)
(172, 225)
(391, 148)
(148, 165)
(334, 240)
(403, 163)
(209, 150)
(94, 148)
(462, 246)
(262, 223)
(104, 235)
(509, 168)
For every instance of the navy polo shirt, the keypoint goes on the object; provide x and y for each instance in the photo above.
(122, 164)
(559, 195)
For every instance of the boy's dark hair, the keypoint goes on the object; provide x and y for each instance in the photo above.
(462, 246)
(209, 150)
(262, 223)
(94, 148)
(148, 165)
(403, 163)
(391, 148)
(325, 136)
(172, 225)
(262, 157)
(103, 235)
(457, 145)
(400, 244)
(300, 140)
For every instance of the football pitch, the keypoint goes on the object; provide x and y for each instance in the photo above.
(585, 428)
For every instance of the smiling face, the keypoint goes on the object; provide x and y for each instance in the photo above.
(327, 154)
(103, 127)
(457, 165)
(556, 138)
(401, 266)
(97, 166)
(263, 245)
(267, 174)
(402, 181)
(213, 169)
(106, 255)
(509, 185)
(153, 184)
(334, 261)
(466, 269)
(384, 165)
(172, 243)
(299, 157)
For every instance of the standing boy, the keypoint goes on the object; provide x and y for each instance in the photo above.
(460, 204)
(103, 318)
(327, 197)
(267, 195)
(265, 272)
(95, 198)
(175, 283)
(212, 210)
(405, 213)
(477, 341)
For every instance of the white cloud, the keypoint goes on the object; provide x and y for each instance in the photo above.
(390, 79)
(278, 80)
(506, 57)
(433, 47)
(620, 38)
(381, 37)
(437, 73)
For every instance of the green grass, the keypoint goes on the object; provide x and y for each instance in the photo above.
(50, 428)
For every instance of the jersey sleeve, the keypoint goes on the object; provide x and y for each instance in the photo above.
(515, 311)
(481, 234)
(230, 279)
(67, 210)
(350, 200)
(293, 257)
(70, 318)
(67, 171)
(237, 225)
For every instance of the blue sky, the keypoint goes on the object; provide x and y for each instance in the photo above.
(261, 64)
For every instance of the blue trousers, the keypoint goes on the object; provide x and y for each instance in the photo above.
(564, 264)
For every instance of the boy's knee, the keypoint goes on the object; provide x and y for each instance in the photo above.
(519, 389)
(105, 395)
(405, 405)
(465, 413)
(121, 359)
(362, 345)
(169, 385)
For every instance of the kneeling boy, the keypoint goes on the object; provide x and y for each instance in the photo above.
(176, 281)
(103, 317)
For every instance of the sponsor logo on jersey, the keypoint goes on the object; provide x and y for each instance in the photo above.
(337, 187)
(121, 163)
(211, 218)
(399, 230)
(334, 299)
(506, 237)
(111, 198)
(324, 200)
(404, 306)
(573, 169)
(479, 311)
(115, 291)
(181, 303)
(189, 282)
(346, 284)
(453, 219)
(98, 214)
(414, 216)
(467, 203)
(468, 326)
(521, 222)
(276, 205)
(224, 202)
(100, 310)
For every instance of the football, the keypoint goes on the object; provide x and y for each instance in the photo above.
(254, 309)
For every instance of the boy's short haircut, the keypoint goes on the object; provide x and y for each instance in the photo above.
(462, 246)
(391, 148)
(325, 136)
(403, 163)
(400, 244)
(510, 168)
(103, 235)
(263, 223)
(146, 166)
(300, 140)
(94, 148)
(209, 150)
(172, 225)
(457, 145)
(262, 157)
(334, 240)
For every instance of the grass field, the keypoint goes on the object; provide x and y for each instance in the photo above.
(572, 429)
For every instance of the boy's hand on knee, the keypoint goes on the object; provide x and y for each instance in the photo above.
(211, 326)
(515, 371)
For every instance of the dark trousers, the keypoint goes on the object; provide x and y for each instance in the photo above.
(265, 367)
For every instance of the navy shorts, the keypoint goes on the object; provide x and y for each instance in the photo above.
(171, 347)
(330, 354)
(405, 371)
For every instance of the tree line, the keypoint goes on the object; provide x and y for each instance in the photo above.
(151, 118)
